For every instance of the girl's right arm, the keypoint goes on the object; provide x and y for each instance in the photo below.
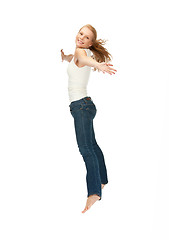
(66, 57)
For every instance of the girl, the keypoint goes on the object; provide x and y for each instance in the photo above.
(83, 108)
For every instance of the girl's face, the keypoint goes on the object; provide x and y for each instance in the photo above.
(84, 38)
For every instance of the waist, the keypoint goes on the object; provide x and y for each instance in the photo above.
(85, 100)
(77, 93)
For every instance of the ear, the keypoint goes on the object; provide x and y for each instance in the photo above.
(91, 43)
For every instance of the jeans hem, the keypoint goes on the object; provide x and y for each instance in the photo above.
(98, 194)
(106, 182)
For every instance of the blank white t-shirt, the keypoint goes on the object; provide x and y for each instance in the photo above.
(78, 79)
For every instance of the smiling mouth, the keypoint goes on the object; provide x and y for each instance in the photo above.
(79, 41)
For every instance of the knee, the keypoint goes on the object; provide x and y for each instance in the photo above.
(86, 150)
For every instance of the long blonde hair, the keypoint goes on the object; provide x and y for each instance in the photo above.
(100, 53)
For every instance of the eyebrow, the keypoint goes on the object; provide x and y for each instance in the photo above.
(86, 34)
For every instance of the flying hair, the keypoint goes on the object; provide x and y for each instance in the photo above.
(100, 53)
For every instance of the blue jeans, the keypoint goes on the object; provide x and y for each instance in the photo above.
(83, 112)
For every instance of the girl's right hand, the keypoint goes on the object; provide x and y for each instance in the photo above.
(62, 55)
(105, 67)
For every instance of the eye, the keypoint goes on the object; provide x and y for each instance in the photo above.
(81, 33)
(87, 37)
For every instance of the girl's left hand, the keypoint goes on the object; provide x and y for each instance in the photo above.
(106, 67)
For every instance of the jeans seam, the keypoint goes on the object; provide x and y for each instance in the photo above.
(87, 146)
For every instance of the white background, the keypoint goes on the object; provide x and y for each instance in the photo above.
(42, 175)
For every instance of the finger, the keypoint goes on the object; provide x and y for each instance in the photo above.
(111, 72)
(108, 65)
(113, 69)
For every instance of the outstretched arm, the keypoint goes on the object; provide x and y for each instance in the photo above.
(66, 57)
(83, 59)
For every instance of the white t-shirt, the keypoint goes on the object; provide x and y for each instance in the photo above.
(78, 79)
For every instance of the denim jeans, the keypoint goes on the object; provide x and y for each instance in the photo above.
(83, 112)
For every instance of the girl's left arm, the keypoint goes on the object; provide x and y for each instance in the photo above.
(83, 59)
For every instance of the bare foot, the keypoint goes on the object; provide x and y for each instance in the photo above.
(90, 201)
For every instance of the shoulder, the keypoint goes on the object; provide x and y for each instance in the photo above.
(80, 52)
(89, 52)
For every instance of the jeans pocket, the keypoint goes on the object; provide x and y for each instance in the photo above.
(74, 109)
(91, 109)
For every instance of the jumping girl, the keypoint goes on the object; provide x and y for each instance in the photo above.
(83, 108)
